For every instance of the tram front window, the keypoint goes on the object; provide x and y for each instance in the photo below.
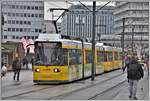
(50, 54)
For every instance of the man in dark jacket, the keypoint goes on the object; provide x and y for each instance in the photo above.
(134, 74)
(16, 66)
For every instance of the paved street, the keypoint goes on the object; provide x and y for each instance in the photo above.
(108, 86)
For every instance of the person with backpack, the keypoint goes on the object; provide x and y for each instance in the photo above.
(16, 66)
(134, 74)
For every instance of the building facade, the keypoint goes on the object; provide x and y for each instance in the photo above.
(136, 16)
(22, 19)
(78, 22)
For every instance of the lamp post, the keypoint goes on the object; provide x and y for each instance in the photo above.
(132, 39)
(122, 42)
(93, 43)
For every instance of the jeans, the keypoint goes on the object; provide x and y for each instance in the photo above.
(16, 73)
(133, 87)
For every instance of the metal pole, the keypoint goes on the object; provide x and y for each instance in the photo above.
(0, 28)
(93, 43)
(122, 42)
(1, 35)
(132, 39)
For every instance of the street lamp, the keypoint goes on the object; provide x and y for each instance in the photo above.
(132, 38)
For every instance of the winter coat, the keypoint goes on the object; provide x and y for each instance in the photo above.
(16, 65)
(134, 70)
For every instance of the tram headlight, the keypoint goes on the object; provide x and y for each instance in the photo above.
(37, 70)
(56, 70)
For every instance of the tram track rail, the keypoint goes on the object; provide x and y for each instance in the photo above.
(107, 90)
(83, 88)
(64, 94)
(27, 92)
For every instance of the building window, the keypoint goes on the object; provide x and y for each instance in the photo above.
(40, 30)
(17, 22)
(17, 29)
(41, 8)
(9, 21)
(13, 14)
(25, 15)
(32, 15)
(28, 29)
(13, 6)
(25, 7)
(21, 15)
(25, 22)
(36, 7)
(17, 37)
(40, 15)
(13, 37)
(36, 37)
(17, 14)
(4, 6)
(21, 7)
(28, 7)
(17, 6)
(5, 36)
(13, 29)
(36, 15)
(21, 29)
(9, 29)
(28, 37)
(28, 15)
(32, 7)
(13, 21)
(29, 23)
(32, 37)
(20, 22)
(9, 14)
(25, 30)
(36, 30)
(25, 37)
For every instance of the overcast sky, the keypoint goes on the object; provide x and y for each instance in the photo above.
(48, 5)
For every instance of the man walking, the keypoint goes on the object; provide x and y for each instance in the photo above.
(134, 74)
(16, 66)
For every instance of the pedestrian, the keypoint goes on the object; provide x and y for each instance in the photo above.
(134, 74)
(127, 61)
(146, 62)
(25, 63)
(3, 70)
(16, 66)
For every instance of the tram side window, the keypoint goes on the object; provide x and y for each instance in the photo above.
(116, 56)
(100, 56)
(120, 56)
(105, 57)
(74, 56)
(110, 57)
(88, 56)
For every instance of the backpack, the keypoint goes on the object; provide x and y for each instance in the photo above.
(132, 69)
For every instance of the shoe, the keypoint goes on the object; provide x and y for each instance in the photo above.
(135, 98)
(130, 96)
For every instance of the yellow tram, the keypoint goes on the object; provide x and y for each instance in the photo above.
(60, 60)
